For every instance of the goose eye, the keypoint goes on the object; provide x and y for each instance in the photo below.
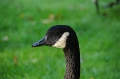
(57, 33)
(61, 42)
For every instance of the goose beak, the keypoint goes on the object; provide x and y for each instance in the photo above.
(39, 43)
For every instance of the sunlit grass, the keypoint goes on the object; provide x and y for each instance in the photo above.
(25, 21)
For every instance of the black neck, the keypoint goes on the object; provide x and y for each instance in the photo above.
(72, 56)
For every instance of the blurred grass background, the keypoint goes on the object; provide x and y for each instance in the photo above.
(22, 22)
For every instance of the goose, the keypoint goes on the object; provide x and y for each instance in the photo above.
(63, 36)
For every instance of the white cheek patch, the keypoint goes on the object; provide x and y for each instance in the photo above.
(61, 43)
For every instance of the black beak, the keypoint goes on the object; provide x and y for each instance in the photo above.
(39, 43)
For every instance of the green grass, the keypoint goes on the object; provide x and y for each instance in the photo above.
(22, 22)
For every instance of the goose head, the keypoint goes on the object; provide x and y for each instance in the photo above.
(56, 36)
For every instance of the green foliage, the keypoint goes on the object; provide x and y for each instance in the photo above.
(25, 21)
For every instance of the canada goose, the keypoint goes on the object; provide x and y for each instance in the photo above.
(63, 36)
